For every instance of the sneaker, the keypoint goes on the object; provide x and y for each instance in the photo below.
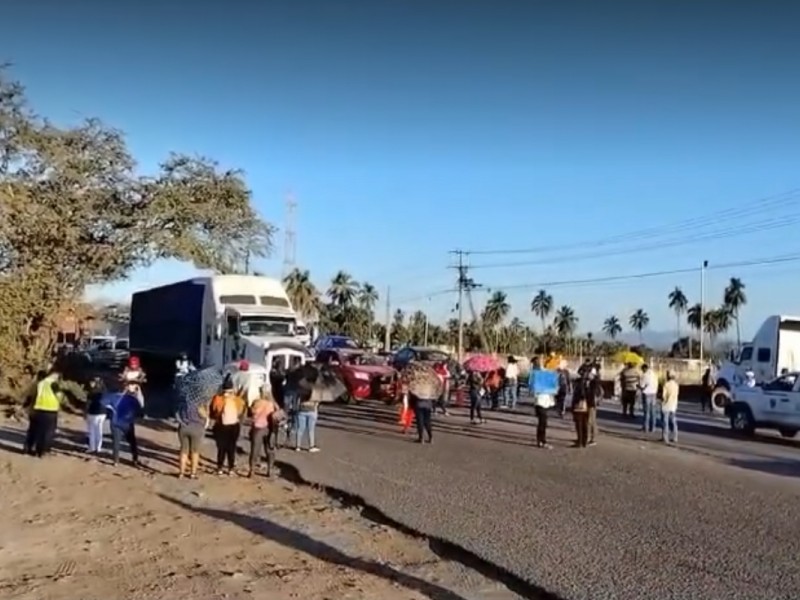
(593, 443)
(313, 450)
(297, 449)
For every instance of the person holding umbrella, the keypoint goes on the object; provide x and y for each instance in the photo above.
(423, 386)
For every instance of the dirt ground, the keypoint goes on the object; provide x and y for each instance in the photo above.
(73, 527)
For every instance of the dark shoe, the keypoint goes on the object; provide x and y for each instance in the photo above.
(418, 441)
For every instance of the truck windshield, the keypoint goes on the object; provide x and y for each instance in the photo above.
(261, 325)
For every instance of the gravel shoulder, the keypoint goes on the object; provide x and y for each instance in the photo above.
(76, 528)
(628, 519)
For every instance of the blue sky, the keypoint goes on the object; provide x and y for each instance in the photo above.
(407, 129)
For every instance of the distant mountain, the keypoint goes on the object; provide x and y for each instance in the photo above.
(657, 340)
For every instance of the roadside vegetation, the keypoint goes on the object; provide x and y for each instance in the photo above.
(75, 211)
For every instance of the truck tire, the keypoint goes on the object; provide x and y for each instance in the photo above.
(742, 421)
(787, 432)
(720, 399)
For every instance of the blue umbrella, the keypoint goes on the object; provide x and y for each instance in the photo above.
(199, 386)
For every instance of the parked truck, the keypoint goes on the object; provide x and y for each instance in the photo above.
(775, 348)
(215, 321)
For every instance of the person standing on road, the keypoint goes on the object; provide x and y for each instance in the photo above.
(475, 383)
(542, 402)
(580, 409)
(95, 416)
(423, 415)
(564, 387)
(708, 384)
(226, 412)
(648, 386)
(593, 399)
(669, 409)
(44, 415)
(192, 417)
(306, 421)
(444, 375)
(277, 381)
(124, 410)
(511, 384)
(629, 381)
(291, 390)
(267, 417)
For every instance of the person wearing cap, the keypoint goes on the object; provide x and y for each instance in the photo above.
(132, 378)
(246, 383)
(226, 411)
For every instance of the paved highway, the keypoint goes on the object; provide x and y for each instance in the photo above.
(716, 517)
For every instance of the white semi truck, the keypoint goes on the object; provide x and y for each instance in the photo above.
(775, 348)
(215, 320)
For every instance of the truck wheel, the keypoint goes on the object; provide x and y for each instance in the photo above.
(787, 433)
(742, 421)
(720, 399)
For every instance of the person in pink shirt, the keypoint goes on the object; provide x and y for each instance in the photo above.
(267, 417)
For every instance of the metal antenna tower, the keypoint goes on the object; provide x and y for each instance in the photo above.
(290, 236)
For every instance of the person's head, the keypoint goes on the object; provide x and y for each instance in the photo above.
(670, 375)
(54, 374)
(183, 356)
(227, 385)
(645, 368)
(244, 365)
(536, 362)
(629, 365)
(511, 360)
(133, 362)
(784, 371)
(96, 385)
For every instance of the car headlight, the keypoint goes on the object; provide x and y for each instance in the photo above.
(360, 376)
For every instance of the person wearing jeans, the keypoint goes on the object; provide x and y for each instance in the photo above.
(423, 410)
(511, 384)
(124, 410)
(475, 382)
(669, 409)
(648, 386)
(306, 422)
(226, 411)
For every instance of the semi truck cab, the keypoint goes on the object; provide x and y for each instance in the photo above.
(775, 348)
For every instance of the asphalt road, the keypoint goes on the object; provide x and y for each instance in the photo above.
(716, 517)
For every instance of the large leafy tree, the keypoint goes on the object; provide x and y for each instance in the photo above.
(74, 211)
(302, 292)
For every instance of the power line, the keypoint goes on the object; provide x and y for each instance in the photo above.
(753, 207)
(750, 228)
(651, 274)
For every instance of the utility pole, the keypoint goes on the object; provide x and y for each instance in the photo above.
(247, 262)
(387, 336)
(703, 268)
(462, 277)
(290, 236)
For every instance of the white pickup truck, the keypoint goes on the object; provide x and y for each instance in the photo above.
(772, 405)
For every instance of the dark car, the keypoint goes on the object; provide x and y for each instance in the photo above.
(336, 342)
(420, 354)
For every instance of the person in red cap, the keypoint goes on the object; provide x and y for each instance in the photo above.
(132, 378)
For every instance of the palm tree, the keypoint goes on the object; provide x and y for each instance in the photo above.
(639, 321)
(367, 297)
(495, 311)
(343, 290)
(678, 303)
(734, 299)
(302, 292)
(717, 321)
(612, 327)
(565, 321)
(542, 306)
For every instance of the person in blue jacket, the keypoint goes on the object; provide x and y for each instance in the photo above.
(124, 410)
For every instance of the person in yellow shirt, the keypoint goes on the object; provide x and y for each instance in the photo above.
(226, 411)
(44, 415)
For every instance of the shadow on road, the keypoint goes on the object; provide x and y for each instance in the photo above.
(782, 467)
(320, 550)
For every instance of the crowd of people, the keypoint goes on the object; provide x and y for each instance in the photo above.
(286, 408)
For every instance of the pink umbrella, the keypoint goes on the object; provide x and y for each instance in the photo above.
(482, 363)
